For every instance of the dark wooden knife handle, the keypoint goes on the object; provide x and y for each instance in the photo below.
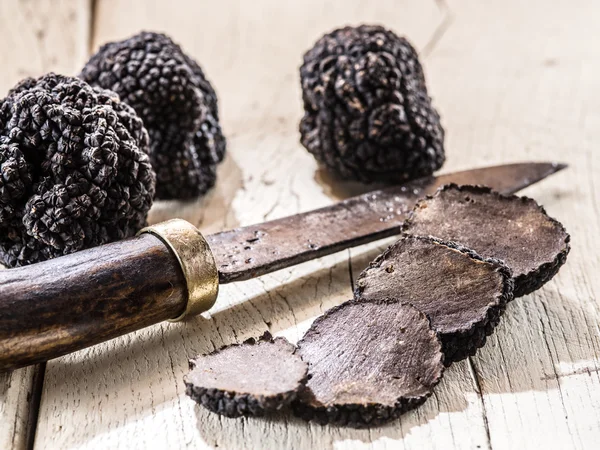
(65, 304)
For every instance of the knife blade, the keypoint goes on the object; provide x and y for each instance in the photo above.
(248, 252)
(171, 271)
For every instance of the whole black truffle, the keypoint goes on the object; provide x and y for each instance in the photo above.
(74, 169)
(367, 113)
(178, 105)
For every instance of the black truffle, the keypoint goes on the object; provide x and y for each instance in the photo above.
(74, 169)
(368, 116)
(513, 229)
(248, 379)
(463, 294)
(178, 105)
(368, 362)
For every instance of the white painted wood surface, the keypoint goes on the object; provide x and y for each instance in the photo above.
(513, 81)
(16, 388)
(36, 37)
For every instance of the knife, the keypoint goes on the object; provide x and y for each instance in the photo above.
(170, 271)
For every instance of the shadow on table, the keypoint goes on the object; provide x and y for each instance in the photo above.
(498, 373)
(533, 325)
(146, 368)
(211, 212)
(284, 430)
(338, 189)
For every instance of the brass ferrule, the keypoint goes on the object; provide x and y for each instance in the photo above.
(196, 261)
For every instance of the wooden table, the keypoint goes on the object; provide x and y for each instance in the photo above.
(513, 80)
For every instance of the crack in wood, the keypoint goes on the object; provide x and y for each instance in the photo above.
(37, 386)
(479, 391)
(440, 30)
(475, 84)
(551, 356)
(93, 13)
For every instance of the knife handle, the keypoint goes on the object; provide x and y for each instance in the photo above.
(68, 303)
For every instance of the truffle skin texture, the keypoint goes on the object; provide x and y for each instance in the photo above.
(74, 169)
(510, 228)
(177, 103)
(368, 362)
(462, 293)
(248, 379)
(368, 116)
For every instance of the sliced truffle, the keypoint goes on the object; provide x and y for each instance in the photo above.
(74, 169)
(248, 379)
(513, 229)
(462, 294)
(170, 92)
(369, 361)
(368, 116)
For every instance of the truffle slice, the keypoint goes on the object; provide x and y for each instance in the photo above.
(462, 294)
(369, 361)
(513, 229)
(177, 103)
(248, 379)
(367, 113)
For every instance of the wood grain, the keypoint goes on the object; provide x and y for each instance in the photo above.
(37, 37)
(16, 390)
(533, 91)
(247, 252)
(513, 81)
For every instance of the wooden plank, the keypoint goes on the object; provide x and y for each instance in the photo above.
(513, 81)
(37, 37)
(16, 389)
(42, 36)
(267, 175)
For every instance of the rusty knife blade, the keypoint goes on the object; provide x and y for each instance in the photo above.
(248, 252)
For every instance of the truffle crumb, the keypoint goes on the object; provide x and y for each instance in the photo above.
(178, 105)
(368, 116)
(513, 229)
(248, 379)
(463, 294)
(369, 361)
(74, 169)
